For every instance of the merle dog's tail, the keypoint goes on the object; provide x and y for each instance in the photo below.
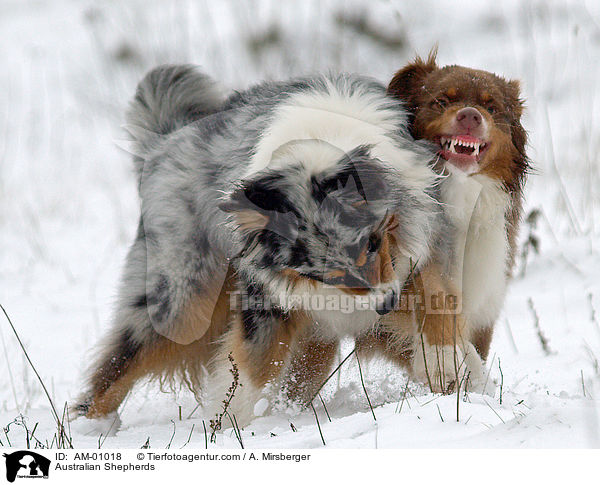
(169, 97)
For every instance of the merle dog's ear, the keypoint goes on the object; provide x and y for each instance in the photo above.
(248, 203)
(246, 215)
(259, 203)
(408, 80)
(357, 178)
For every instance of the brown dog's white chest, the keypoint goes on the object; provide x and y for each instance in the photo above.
(477, 206)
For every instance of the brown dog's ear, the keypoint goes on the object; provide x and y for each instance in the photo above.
(514, 101)
(515, 105)
(410, 78)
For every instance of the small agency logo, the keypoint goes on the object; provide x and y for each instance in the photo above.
(26, 464)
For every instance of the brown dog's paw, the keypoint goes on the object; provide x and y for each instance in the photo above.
(441, 366)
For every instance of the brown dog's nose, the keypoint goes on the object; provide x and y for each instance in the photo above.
(469, 118)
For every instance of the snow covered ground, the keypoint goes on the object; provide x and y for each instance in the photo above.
(68, 207)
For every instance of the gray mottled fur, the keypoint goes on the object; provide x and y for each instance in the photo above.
(192, 147)
(184, 239)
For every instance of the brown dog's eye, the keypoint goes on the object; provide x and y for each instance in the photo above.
(492, 109)
(441, 102)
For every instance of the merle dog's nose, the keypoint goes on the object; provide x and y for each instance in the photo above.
(469, 119)
(390, 300)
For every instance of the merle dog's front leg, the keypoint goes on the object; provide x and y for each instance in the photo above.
(254, 352)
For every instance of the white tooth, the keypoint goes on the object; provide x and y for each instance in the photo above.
(476, 152)
(452, 145)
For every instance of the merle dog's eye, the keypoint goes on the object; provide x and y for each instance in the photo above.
(374, 243)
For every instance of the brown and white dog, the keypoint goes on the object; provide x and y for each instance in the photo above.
(473, 117)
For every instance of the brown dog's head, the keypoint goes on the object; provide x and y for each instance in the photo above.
(474, 116)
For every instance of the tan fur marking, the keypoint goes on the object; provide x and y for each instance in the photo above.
(336, 273)
(362, 258)
(387, 268)
(311, 362)
(373, 271)
(264, 362)
(358, 204)
(353, 291)
(441, 325)
(250, 220)
(165, 359)
(392, 223)
(452, 92)
(295, 278)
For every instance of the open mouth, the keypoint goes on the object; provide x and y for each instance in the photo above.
(463, 151)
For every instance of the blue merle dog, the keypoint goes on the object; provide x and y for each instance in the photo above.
(262, 212)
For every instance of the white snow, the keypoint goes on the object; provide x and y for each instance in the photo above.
(68, 210)
(105, 426)
(261, 406)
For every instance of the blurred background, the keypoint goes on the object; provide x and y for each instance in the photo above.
(68, 201)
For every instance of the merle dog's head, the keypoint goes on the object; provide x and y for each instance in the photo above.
(332, 221)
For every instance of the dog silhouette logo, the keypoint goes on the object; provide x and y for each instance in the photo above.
(26, 464)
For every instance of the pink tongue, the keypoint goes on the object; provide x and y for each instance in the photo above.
(463, 150)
